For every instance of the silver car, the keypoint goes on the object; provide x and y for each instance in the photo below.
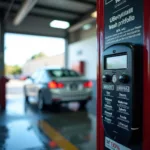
(49, 86)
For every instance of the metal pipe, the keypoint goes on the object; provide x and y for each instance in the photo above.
(80, 24)
(24, 11)
(8, 11)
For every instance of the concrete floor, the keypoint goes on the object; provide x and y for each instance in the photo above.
(24, 127)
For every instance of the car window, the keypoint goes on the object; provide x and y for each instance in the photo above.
(39, 77)
(35, 75)
(63, 73)
(44, 77)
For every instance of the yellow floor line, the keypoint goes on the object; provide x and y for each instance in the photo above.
(56, 136)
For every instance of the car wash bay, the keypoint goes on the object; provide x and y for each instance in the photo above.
(23, 126)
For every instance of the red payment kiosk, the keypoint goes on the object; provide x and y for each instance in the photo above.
(123, 77)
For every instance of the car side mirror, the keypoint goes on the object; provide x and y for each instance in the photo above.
(29, 77)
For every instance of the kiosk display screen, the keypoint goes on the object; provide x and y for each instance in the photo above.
(116, 62)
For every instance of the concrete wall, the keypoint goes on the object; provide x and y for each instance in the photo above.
(32, 65)
(83, 46)
(81, 34)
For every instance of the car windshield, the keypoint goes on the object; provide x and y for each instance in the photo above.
(63, 73)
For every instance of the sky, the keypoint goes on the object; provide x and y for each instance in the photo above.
(19, 48)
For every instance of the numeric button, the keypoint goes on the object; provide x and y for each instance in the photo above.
(106, 78)
(124, 78)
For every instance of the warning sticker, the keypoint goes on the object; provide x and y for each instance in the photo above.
(123, 21)
(108, 1)
(112, 145)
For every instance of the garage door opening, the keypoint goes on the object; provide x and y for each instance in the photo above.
(24, 54)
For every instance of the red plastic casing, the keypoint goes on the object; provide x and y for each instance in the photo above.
(146, 73)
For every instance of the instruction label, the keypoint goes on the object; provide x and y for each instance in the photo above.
(112, 145)
(123, 21)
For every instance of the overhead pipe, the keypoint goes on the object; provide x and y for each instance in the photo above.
(24, 11)
(89, 18)
(81, 24)
(8, 10)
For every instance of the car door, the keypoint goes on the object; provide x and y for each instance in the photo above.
(31, 84)
(36, 86)
(43, 85)
(40, 83)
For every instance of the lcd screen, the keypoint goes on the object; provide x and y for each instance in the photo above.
(116, 62)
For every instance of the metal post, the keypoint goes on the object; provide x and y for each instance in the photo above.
(3, 80)
(107, 10)
(66, 52)
(2, 68)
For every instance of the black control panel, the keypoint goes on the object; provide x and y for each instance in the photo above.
(122, 93)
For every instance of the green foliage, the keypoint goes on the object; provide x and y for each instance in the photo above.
(13, 69)
(39, 55)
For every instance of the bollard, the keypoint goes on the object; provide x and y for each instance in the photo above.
(3, 81)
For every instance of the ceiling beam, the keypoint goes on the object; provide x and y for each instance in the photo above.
(80, 24)
(82, 21)
(58, 10)
(36, 34)
(16, 6)
(50, 17)
(37, 6)
(86, 2)
(9, 10)
(88, 14)
(24, 11)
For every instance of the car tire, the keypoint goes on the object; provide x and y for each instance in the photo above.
(41, 104)
(26, 99)
(25, 96)
(83, 105)
(55, 107)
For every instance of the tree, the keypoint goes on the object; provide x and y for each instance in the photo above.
(13, 69)
(16, 70)
(39, 55)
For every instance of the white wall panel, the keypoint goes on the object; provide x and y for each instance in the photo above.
(85, 50)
